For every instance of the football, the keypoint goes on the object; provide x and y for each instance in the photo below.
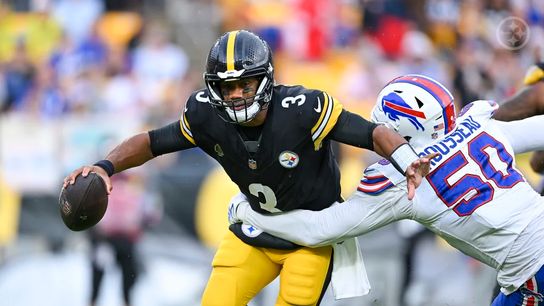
(83, 204)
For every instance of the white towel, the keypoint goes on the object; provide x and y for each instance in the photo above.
(349, 278)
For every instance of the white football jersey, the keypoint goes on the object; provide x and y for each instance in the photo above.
(474, 197)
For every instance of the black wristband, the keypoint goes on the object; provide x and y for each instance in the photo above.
(106, 165)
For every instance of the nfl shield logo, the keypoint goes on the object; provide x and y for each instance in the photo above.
(288, 159)
(252, 164)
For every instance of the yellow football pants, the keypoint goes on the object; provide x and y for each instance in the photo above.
(240, 271)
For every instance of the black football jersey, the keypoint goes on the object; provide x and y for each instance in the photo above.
(293, 167)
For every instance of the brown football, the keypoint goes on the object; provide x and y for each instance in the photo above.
(83, 204)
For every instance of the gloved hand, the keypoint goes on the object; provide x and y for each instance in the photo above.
(236, 203)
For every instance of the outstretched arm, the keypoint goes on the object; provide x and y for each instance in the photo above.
(529, 101)
(524, 135)
(354, 130)
(358, 215)
(132, 152)
(135, 151)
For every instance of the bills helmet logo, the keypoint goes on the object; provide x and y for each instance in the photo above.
(395, 108)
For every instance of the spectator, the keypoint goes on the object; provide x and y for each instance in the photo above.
(159, 66)
(120, 230)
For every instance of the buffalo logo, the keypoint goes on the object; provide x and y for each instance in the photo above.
(288, 159)
(395, 108)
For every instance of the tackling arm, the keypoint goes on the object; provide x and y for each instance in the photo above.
(355, 130)
(360, 214)
(523, 135)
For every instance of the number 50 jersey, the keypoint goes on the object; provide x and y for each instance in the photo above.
(293, 167)
(473, 197)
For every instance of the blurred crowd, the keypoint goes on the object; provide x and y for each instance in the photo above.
(87, 56)
(71, 56)
(129, 65)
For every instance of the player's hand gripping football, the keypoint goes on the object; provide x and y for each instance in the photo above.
(84, 171)
(416, 172)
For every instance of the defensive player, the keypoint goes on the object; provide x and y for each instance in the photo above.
(274, 143)
(473, 197)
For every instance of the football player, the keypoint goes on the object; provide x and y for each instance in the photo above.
(527, 102)
(274, 142)
(473, 197)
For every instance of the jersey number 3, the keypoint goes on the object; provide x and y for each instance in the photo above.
(472, 190)
(267, 198)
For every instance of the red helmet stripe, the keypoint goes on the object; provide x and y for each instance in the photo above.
(443, 96)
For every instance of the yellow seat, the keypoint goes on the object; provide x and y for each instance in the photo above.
(117, 28)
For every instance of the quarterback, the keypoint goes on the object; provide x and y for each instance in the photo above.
(274, 142)
(473, 197)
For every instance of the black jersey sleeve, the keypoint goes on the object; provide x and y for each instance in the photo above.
(169, 139)
(354, 130)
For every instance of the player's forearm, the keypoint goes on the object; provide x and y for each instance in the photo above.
(524, 135)
(355, 217)
(394, 147)
(299, 226)
(527, 102)
(132, 152)
(386, 140)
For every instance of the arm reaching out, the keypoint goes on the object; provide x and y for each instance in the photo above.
(524, 135)
(354, 130)
(132, 152)
(360, 214)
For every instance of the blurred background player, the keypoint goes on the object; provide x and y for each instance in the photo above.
(116, 236)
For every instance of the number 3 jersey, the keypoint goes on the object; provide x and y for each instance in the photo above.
(474, 197)
(293, 166)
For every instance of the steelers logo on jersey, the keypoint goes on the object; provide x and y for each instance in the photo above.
(288, 159)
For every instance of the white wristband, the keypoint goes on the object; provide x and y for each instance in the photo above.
(403, 156)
